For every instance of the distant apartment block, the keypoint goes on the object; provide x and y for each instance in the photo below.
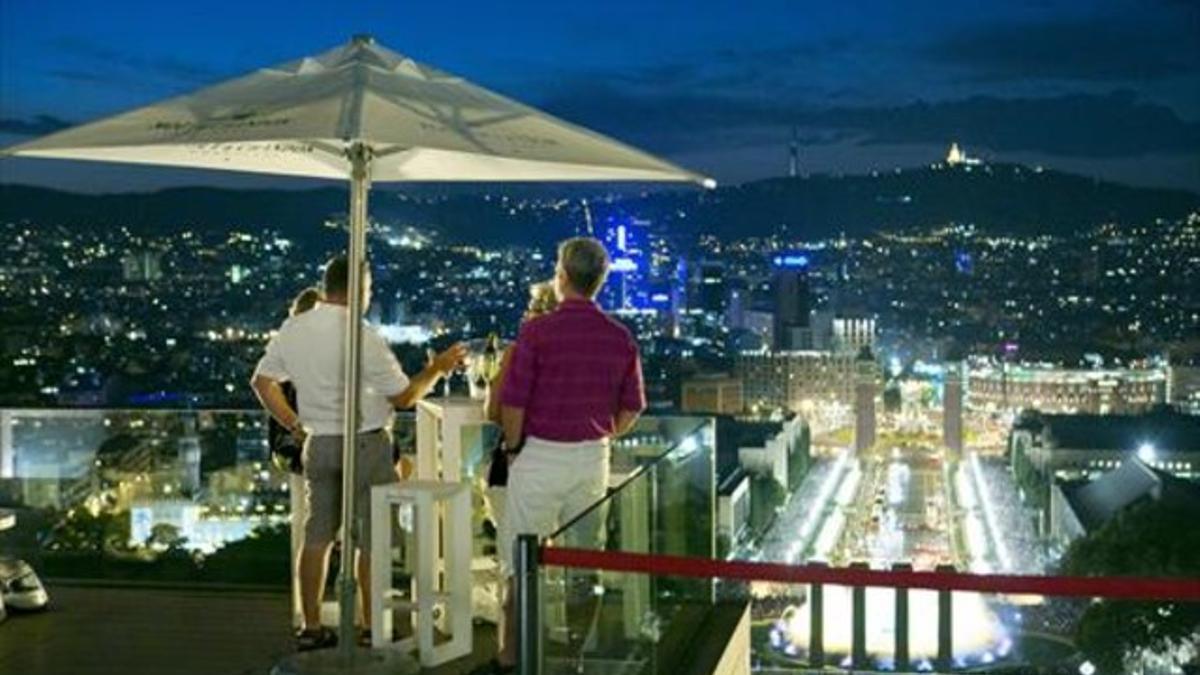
(787, 379)
(1004, 387)
(717, 394)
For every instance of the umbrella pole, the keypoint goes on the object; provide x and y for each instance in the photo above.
(347, 659)
(359, 185)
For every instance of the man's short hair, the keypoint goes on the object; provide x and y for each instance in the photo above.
(336, 279)
(585, 262)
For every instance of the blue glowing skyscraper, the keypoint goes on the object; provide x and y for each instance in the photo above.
(627, 241)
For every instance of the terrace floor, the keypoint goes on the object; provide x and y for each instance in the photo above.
(133, 631)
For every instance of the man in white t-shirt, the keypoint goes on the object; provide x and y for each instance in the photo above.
(308, 351)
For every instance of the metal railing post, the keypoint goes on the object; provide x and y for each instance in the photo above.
(527, 559)
(945, 642)
(901, 621)
(816, 622)
(858, 622)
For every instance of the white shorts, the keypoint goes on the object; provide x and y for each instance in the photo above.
(549, 484)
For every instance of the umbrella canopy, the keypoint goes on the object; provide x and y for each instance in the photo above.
(299, 118)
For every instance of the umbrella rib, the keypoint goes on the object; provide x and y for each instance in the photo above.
(351, 119)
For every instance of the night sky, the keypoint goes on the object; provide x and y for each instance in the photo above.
(1103, 88)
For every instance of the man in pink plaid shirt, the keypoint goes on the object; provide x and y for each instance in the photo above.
(575, 382)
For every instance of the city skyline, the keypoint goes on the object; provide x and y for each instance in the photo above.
(915, 388)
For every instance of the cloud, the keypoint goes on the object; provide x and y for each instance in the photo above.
(1116, 124)
(1143, 46)
(38, 126)
(727, 70)
(104, 64)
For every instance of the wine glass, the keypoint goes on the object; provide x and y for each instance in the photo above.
(482, 363)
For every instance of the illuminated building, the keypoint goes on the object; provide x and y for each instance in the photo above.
(866, 375)
(793, 301)
(852, 332)
(189, 457)
(733, 512)
(1012, 387)
(1085, 445)
(782, 455)
(787, 379)
(1184, 390)
(628, 247)
(238, 273)
(957, 157)
(188, 520)
(713, 394)
(952, 410)
(142, 266)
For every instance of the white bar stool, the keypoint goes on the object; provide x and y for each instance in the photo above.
(441, 565)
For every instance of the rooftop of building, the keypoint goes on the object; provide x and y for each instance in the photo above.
(1161, 428)
(1098, 501)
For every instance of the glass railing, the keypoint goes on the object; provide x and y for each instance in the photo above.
(832, 584)
(146, 496)
(662, 502)
(193, 496)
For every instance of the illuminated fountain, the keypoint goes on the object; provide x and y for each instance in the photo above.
(979, 638)
(876, 517)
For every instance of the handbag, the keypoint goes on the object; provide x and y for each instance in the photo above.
(498, 471)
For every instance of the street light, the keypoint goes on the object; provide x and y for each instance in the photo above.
(1147, 453)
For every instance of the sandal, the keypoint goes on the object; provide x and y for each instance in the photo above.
(309, 639)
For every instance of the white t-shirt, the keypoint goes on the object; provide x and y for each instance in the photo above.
(308, 352)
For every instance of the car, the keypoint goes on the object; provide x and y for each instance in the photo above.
(20, 587)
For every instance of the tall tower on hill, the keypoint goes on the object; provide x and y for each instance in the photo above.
(794, 154)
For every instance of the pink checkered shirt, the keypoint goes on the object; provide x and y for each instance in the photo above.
(572, 371)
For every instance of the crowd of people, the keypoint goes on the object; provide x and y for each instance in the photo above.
(800, 517)
(569, 384)
(1055, 616)
(1015, 522)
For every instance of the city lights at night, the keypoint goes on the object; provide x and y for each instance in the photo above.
(758, 339)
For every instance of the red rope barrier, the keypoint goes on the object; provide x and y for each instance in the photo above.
(1129, 588)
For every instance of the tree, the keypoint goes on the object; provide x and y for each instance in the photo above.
(1152, 539)
(766, 496)
(80, 531)
(261, 558)
(166, 536)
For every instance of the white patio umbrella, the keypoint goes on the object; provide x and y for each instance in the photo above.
(364, 113)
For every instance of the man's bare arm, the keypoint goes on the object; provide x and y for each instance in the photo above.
(512, 423)
(270, 395)
(420, 384)
(625, 421)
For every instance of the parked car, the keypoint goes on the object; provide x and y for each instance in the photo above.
(20, 587)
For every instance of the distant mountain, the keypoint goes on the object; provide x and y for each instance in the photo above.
(1001, 197)
(1004, 197)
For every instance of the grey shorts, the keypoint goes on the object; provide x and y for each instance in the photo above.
(323, 485)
